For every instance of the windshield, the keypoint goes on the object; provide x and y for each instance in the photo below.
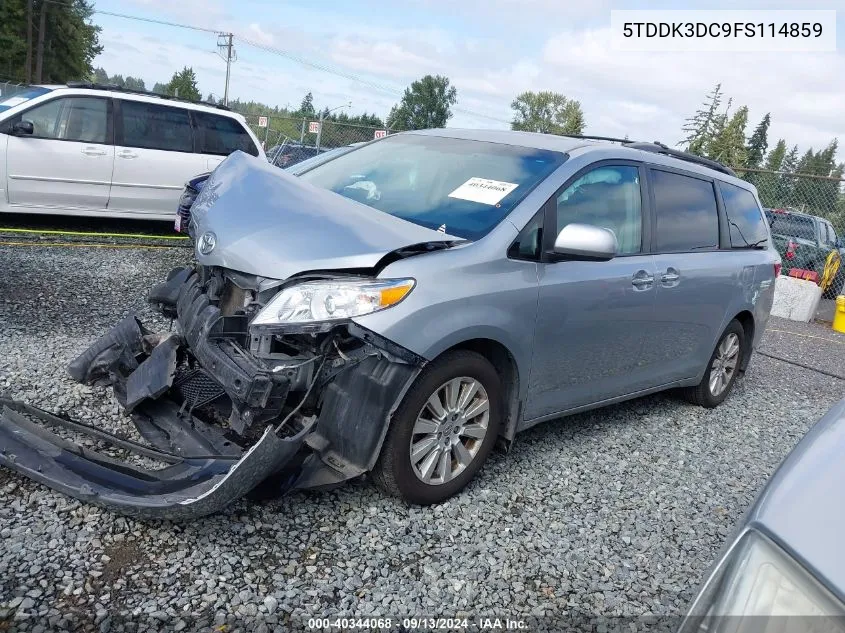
(460, 187)
(308, 163)
(10, 100)
(791, 225)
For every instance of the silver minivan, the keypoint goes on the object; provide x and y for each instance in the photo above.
(398, 309)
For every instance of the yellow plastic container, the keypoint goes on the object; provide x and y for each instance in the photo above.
(839, 314)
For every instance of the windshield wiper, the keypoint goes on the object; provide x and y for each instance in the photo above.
(759, 244)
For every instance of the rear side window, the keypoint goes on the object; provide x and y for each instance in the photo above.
(222, 135)
(151, 126)
(744, 217)
(687, 218)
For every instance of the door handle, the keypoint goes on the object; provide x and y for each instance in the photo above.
(127, 154)
(94, 151)
(642, 280)
(671, 276)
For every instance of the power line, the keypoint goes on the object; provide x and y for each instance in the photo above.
(392, 90)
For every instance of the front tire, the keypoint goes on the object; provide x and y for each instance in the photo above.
(722, 369)
(443, 430)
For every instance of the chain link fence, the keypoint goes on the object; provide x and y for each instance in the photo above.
(289, 140)
(806, 214)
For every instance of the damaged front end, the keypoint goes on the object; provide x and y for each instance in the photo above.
(220, 405)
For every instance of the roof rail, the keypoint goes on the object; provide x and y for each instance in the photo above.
(660, 148)
(115, 88)
(587, 137)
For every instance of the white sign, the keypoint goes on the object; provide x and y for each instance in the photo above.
(314, 127)
(262, 121)
(380, 134)
(483, 190)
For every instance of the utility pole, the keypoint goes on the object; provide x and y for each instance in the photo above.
(224, 43)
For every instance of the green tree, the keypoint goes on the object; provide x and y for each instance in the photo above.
(769, 184)
(699, 128)
(306, 108)
(775, 158)
(62, 46)
(758, 143)
(183, 84)
(790, 161)
(100, 76)
(160, 88)
(427, 103)
(134, 83)
(728, 144)
(547, 112)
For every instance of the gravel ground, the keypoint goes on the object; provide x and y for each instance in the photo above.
(617, 512)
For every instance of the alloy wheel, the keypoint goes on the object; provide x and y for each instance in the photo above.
(449, 430)
(724, 364)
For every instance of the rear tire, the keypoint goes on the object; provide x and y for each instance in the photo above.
(722, 369)
(443, 430)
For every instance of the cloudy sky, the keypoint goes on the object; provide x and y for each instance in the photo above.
(490, 49)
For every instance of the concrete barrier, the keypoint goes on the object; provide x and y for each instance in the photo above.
(796, 299)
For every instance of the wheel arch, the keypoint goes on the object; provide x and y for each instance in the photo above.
(746, 320)
(505, 364)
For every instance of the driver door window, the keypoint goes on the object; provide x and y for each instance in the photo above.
(608, 197)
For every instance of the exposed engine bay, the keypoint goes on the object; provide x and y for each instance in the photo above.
(224, 404)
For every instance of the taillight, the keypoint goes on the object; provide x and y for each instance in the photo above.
(777, 269)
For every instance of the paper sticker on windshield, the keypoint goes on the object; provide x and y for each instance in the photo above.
(483, 190)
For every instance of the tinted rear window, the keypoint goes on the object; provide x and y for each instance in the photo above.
(687, 215)
(791, 225)
(151, 126)
(222, 135)
(744, 217)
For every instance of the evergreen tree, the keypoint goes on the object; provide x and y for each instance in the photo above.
(306, 108)
(183, 84)
(728, 144)
(774, 160)
(758, 143)
(699, 127)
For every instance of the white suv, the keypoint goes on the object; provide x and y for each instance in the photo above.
(85, 149)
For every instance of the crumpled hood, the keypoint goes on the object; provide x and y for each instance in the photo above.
(269, 223)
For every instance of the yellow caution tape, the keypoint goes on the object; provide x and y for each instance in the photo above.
(130, 235)
(821, 338)
(83, 245)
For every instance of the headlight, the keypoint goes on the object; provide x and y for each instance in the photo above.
(760, 588)
(332, 300)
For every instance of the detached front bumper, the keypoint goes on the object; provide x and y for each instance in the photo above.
(296, 435)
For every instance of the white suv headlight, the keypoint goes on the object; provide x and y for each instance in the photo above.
(332, 300)
(761, 588)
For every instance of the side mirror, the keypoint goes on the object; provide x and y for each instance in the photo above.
(22, 128)
(586, 242)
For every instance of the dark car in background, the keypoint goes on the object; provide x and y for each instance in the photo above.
(806, 241)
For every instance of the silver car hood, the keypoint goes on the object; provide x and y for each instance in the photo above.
(803, 504)
(268, 223)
